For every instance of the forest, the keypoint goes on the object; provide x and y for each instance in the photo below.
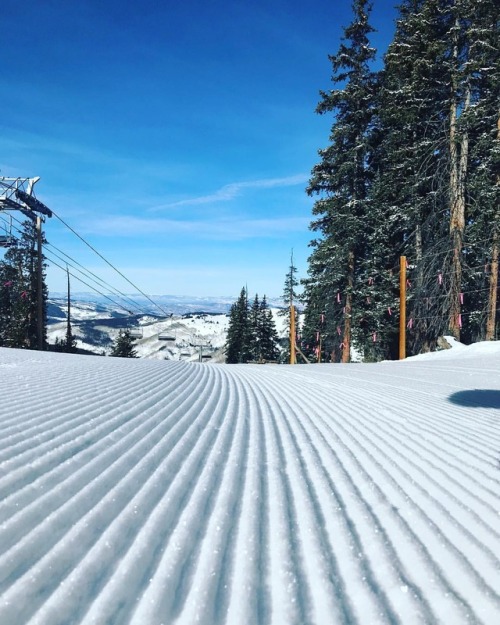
(411, 169)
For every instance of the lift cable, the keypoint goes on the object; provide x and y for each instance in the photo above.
(112, 266)
(90, 286)
(94, 279)
(95, 276)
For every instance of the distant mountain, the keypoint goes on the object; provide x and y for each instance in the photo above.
(166, 304)
(95, 325)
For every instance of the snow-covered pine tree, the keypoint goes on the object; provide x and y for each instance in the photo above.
(123, 346)
(8, 300)
(238, 342)
(290, 297)
(342, 180)
(321, 331)
(436, 179)
(268, 339)
(410, 191)
(69, 344)
(479, 75)
(254, 329)
(19, 292)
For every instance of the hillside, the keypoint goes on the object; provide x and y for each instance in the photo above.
(95, 326)
(143, 492)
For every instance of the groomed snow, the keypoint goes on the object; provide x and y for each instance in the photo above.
(140, 492)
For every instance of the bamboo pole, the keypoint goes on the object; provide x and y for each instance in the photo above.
(402, 308)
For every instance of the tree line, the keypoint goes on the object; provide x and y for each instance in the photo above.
(251, 334)
(19, 301)
(412, 168)
(19, 293)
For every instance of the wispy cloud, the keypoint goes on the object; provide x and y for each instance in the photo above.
(222, 229)
(235, 189)
(53, 151)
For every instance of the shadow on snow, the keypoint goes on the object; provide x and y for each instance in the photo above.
(477, 398)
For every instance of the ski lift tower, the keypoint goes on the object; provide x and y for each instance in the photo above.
(16, 194)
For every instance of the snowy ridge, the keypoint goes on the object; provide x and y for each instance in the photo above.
(144, 492)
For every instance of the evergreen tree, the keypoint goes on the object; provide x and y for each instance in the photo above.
(254, 329)
(70, 342)
(426, 185)
(19, 292)
(317, 293)
(238, 343)
(436, 186)
(251, 334)
(267, 335)
(343, 179)
(124, 345)
(290, 297)
(9, 302)
(479, 123)
(410, 159)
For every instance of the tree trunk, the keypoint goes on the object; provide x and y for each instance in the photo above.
(421, 342)
(459, 154)
(346, 352)
(492, 299)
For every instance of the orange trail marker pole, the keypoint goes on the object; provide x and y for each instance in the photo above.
(402, 308)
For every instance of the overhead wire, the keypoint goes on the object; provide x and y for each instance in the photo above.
(90, 275)
(90, 286)
(119, 305)
(95, 276)
(110, 264)
(128, 301)
(18, 231)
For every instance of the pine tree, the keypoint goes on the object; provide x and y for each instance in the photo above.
(428, 136)
(290, 298)
(70, 342)
(267, 335)
(8, 302)
(19, 292)
(343, 179)
(251, 334)
(124, 345)
(317, 293)
(238, 342)
(479, 75)
(254, 329)
(409, 197)
(436, 185)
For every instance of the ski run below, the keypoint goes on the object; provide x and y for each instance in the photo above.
(150, 492)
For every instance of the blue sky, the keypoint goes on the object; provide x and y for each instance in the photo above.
(176, 137)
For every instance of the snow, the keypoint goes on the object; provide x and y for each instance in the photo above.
(149, 492)
(95, 328)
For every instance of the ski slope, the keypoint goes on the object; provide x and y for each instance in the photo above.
(155, 493)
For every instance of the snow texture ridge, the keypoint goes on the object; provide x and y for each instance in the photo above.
(140, 492)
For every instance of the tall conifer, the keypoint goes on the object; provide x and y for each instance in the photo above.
(342, 180)
(19, 292)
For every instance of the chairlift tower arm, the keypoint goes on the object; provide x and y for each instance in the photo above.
(17, 194)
